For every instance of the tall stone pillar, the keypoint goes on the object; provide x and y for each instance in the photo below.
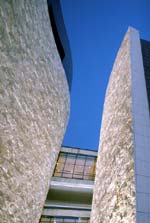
(123, 169)
(34, 108)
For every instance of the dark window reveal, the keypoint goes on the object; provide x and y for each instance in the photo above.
(55, 33)
(146, 62)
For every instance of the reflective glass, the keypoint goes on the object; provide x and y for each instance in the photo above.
(48, 219)
(62, 158)
(78, 169)
(59, 169)
(57, 174)
(80, 160)
(71, 158)
(45, 219)
(75, 166)
(67, 175)
(90, 161)
(68, 168)
(77, 176)
(59, 166)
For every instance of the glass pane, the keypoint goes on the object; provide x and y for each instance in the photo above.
(71, 158)
(84, 220)
(67, 175)
(62, 158)
(56, 174)
(87, 170)
(59, 169)
(68, 168)
(75, 166)
(77, 176)
(90, 161)
(86, 177)
(89, 173)
(48, 219)
(80, 160)
(45, 219)
(78, 169)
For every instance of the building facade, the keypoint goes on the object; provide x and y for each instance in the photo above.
(122, 184)
(34, 107)
(71, 188)
(60, 36)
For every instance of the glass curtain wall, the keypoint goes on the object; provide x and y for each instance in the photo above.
(77, 166)
(48, 219)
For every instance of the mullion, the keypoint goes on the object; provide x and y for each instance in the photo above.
(65, 164)
(74, 165)
(66, 155)
(55, 171)
(84, 167)
(78, 171)
(56, 164)
(82, 173)
(85, 158)
(93, 162)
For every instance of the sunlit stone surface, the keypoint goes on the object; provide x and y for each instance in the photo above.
(114, 191)
(34, 107)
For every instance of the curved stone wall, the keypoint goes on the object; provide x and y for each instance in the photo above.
(34, 108)
(114, 189)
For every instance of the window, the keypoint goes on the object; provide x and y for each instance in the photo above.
(76, 166)
(49, 219)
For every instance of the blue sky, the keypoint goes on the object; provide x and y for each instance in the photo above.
(95, 30)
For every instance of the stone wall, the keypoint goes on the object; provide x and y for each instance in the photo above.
(114, 190)
(34, 108)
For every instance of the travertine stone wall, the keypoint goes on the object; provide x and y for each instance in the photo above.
(114, 190)
(34, 107)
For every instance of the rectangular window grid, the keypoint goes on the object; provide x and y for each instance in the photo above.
(75, 166)
(49, 219)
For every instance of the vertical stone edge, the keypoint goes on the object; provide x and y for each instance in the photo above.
(108, 205)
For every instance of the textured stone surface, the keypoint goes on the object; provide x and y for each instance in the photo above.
(114, 190)
(34, 107)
